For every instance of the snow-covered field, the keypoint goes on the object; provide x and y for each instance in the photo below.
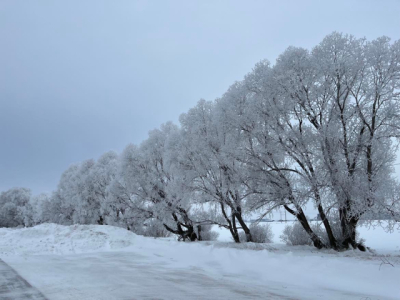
(105, 262)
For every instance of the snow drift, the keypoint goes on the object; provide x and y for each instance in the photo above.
(60, 239)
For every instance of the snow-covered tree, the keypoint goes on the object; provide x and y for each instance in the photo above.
(207, 157)
(148, 185)
(36, 211)
(321, 110)
(82, 190)
(97, 184)
(12, 206)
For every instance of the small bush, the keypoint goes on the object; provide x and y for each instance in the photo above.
(295, 235)
(207, 234)
(319, 230)
(259, 233)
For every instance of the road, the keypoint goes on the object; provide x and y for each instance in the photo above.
(13, 286)
(155, 275)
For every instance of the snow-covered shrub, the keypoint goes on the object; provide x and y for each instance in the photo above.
(259, 233)
(295, 235)
(207, 234)
(155, 228)
(319, 230)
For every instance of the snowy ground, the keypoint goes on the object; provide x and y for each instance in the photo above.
(104, 262)
(375, 236)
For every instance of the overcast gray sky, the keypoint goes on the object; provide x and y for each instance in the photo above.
(79, 78)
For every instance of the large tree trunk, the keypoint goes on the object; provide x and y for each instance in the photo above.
(199, 233)
(231, 224)
(234, 231)
(246, 229)
(349, 235)
(343, 227)
(189, 233)
(328, 229)
(183, 234)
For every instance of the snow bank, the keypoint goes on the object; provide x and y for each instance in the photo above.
(59, 239)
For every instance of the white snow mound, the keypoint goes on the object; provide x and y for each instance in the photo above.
(59, 239)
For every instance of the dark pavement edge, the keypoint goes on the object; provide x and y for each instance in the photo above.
(14, 286)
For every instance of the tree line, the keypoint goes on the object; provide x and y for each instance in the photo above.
(319, 126)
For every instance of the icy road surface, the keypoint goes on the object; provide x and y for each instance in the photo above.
(104, 262)
(117, 275)
(129, 275)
